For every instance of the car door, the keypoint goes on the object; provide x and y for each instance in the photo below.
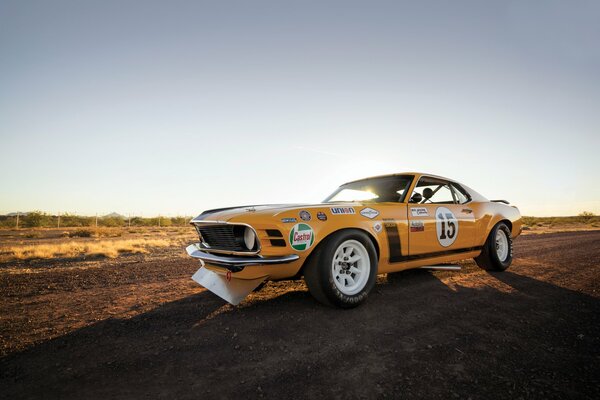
(439, 218)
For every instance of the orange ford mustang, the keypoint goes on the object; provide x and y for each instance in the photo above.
(367, 227)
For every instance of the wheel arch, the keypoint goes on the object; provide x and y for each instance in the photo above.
(495, 221)
(315, 251)
(507, 222)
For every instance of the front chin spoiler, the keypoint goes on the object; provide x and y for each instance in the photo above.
(236, 263)
(229, 289)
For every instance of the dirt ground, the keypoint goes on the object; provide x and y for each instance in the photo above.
(139, 327)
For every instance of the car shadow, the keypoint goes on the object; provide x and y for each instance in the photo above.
(415, 337)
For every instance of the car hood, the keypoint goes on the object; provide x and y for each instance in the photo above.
(268, 210)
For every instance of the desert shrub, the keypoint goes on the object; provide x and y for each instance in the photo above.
(111, 221)
(108, 232)
(528, 220)
(32, 235)
(99, 232)
(139, 221)
(37, 219)
(180, 221)
(72, 220)
(586, 216)
(7, 221)
(165, 221)
(81, 233)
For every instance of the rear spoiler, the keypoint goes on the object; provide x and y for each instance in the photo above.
(500, 201)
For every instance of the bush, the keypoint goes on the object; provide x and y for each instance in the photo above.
(81, 233)
(8, 221)
(36, 219)
(586, 214)
(100, 232)
(111, 221)
(75, 220)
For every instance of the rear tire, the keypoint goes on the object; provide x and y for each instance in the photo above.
(343, 269)
(497, 251)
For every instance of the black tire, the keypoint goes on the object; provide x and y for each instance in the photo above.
(319, 274)
(489, 258)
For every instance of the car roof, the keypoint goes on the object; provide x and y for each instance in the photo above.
(474, 194)
(416, 174)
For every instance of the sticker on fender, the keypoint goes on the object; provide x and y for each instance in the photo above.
(369, 212)
(302, 237)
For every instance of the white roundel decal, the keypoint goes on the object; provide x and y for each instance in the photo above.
(446, 226)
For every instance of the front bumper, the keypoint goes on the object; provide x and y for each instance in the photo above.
(236, 263)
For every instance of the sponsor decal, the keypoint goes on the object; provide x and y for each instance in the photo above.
(321, 216)
(446, 226)
(302, 237)
(288, 220)
(419, 212)
(305, 215)
(377, 227)
(251, 209)
(343, 210)
(417, 226)
(369, 213)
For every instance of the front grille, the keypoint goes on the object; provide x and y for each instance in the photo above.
(226, 237)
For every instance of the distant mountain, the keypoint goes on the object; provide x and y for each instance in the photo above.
(14, 214)
(114, 215)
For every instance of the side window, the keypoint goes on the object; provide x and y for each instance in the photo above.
(461, 194)
(433, 191)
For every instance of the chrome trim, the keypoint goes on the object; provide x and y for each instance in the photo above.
(236, 253)
(442, 267)
(236, 263)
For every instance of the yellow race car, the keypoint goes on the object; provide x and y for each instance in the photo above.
(367, 227)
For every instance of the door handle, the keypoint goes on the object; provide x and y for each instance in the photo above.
(467, 210)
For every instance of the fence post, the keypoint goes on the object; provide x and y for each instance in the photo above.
(17, 220)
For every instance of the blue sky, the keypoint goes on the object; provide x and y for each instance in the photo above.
(175, 107)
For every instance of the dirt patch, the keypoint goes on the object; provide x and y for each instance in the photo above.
(138, 327)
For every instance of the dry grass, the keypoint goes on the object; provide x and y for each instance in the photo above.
(106, 248)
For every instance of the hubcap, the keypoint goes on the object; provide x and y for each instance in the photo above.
(501, 245)
(350, 267)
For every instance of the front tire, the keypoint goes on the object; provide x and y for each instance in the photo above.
(497, 251)
(343, 270)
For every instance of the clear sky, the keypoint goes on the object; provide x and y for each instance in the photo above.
(172, 107)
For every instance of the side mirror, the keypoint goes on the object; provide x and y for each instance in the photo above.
(416, 198)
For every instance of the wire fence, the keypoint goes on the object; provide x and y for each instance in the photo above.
(38, 219)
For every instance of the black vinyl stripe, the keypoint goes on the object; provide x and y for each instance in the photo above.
(395, 249)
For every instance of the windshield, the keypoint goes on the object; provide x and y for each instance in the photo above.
(377, 190)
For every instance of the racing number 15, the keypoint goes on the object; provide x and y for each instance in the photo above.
(451, 231)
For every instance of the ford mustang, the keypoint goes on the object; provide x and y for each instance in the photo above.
(367, 227)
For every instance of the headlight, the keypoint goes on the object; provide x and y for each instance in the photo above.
(249, 238)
